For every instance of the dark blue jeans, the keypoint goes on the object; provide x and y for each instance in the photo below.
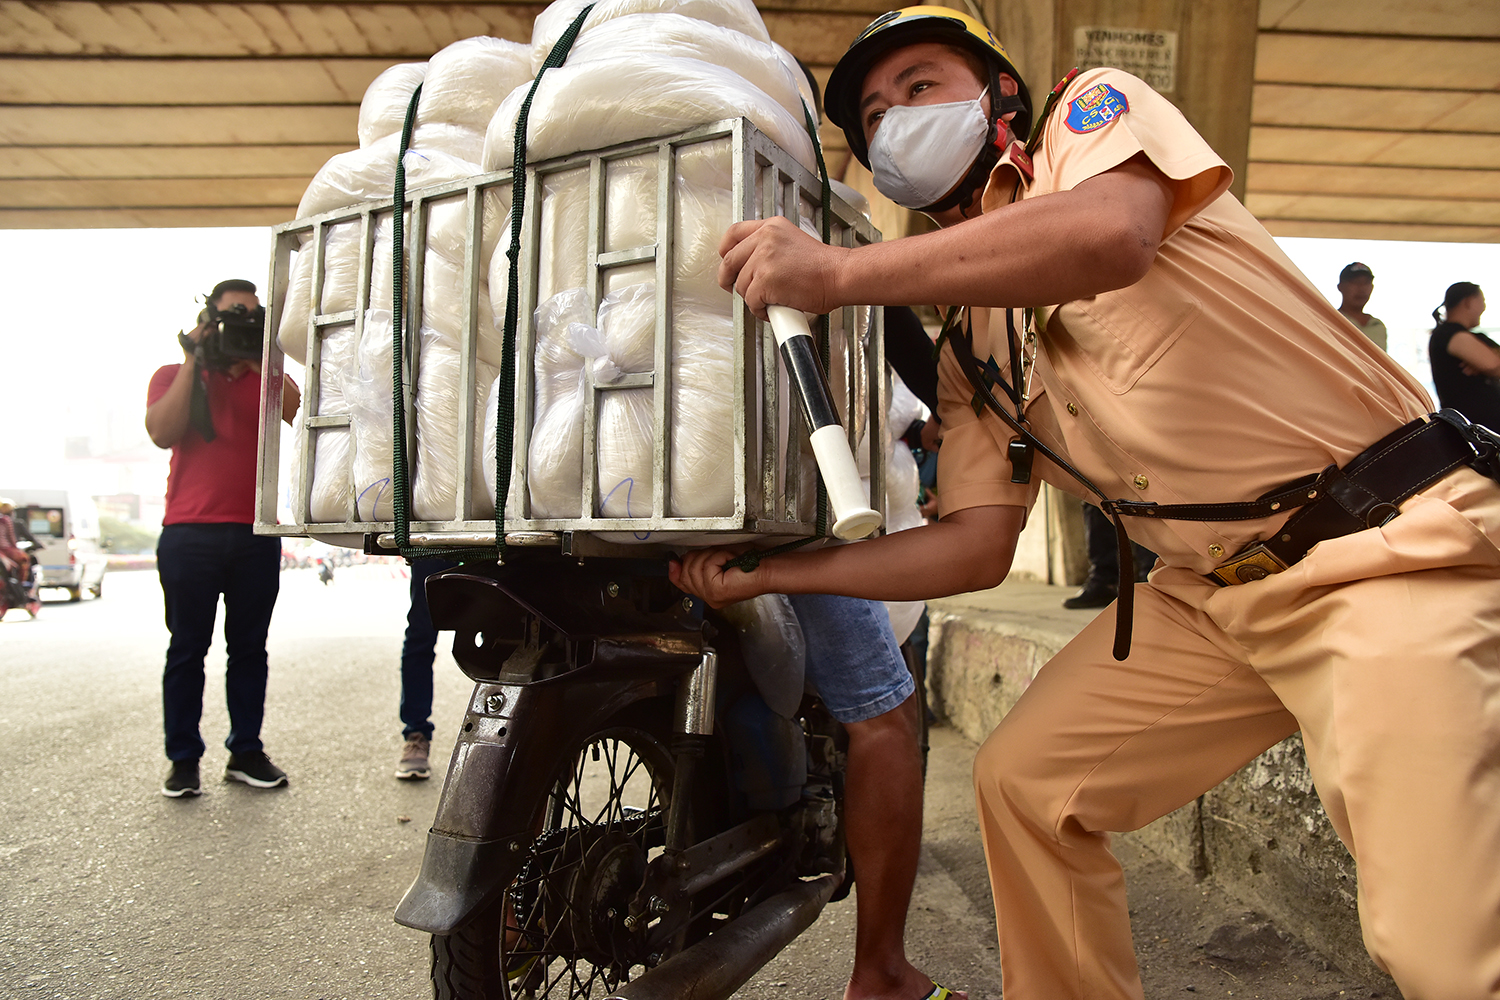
(197, 563)
(418, 650)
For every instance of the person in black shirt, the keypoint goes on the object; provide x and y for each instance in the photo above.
(1465, 363)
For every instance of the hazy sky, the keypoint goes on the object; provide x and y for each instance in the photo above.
(92, 313)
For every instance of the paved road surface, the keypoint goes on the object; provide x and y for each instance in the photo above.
(109, 890)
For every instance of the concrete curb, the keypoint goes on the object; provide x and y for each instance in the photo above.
(1261, 835)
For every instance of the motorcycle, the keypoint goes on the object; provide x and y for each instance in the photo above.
(18, 588)
(625, 816)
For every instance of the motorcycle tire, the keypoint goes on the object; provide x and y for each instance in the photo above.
(603, 821)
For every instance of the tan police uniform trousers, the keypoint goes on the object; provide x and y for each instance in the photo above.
(1383, 647)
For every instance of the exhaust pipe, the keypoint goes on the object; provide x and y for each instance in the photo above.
(721, 963)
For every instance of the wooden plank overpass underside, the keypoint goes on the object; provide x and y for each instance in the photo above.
(1369, 118)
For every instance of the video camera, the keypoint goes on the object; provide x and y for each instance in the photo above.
(236, 333)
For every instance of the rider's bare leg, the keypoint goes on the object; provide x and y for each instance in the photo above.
(883, 813)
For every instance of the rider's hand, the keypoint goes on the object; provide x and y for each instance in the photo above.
(773, 262)
(701, 573)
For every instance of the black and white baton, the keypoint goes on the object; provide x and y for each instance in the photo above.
(853, 517)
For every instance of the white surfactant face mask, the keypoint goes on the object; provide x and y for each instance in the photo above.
(921, 151)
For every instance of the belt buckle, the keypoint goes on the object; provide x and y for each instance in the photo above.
(1255, 563)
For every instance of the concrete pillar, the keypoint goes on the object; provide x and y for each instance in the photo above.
(1200, 54)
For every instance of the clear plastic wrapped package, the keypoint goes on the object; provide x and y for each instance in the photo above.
(804, 86)
(601, 103)
(675, 35)
(703, 210)
(331, 485)
(564, 330)
(702, 403)
(438, 153)
(467, 80)
(564, 232)
(383, 110)
(368, 390)
(738, 15)
(630, 188)
(435, 470)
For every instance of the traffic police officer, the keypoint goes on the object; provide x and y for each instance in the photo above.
(1178, 367)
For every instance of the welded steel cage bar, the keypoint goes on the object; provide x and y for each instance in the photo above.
(773, 490)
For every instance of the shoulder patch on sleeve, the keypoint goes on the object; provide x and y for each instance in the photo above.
(1096, 108)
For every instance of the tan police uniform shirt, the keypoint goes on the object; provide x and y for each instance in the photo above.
(1219, 375)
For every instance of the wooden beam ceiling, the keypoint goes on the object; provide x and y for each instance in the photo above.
(1369, 116)
(1377, 119)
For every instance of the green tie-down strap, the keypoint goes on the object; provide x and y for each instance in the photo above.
(505, 409)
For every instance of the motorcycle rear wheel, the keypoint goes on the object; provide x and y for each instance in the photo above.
(558, 932)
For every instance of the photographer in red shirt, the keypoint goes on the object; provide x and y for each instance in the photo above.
(206, 410)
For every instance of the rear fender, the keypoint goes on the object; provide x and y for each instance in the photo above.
(520, 730)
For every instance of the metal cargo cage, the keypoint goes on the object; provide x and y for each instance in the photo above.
(650, 406)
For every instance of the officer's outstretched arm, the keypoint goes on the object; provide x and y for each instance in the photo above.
(1101, 235)
(968, 550)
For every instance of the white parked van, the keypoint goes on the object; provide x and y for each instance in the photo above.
(66, 525)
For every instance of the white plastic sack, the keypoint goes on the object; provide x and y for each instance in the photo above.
(436, 471)
(678, 36)
(438, 153)
(804, 86)
(739, 15)
(466, 81)
(555, 457)
(702, 436)
(340, 276)
(703, 211)
(597, 104)
(564, 234)
(383, 110)
(368, 390)
(902, 488)
(331, 485)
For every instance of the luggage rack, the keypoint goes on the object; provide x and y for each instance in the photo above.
(773, 485)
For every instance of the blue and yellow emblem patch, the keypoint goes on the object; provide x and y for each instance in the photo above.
(1096, 108)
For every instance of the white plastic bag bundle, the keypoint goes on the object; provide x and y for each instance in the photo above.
(438, 153)
(466, 81)
(804, 86)
(555, 457)
(368, 390)
(331, 485)
(738, 15)
(340, 276)
(677, 36)
(702, 436)
(703, 210)
(902, 487)
(383, 110)
(630, 190)
(597, 104)
(436, 471)
(564, 235)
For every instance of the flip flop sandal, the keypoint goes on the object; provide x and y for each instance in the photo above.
(940, 993)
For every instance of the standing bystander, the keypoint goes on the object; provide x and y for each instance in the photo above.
(1356, 285)
(207, 410)
(418, 650)
(1465, 362)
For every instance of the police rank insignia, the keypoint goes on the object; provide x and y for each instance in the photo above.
(1096, 108)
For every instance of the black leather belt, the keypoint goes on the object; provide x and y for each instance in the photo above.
(1365, 493)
